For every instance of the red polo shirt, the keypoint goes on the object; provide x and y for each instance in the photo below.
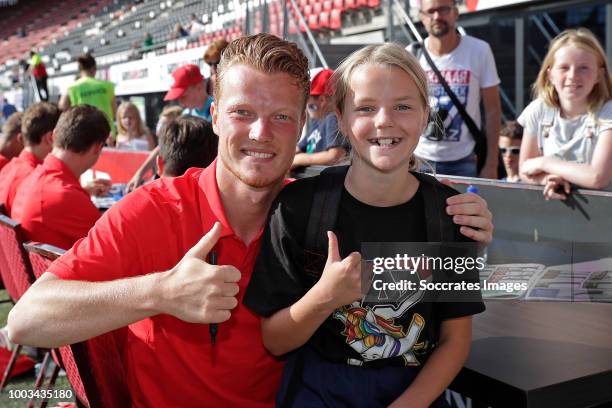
(3, 161)
(52, 207)
(170, 363)
(13, 174)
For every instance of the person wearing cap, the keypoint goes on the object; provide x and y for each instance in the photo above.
(189, 90)
(88, 90)
(324, 145)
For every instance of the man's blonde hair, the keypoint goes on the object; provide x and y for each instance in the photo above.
(581, 38)
(266, 53)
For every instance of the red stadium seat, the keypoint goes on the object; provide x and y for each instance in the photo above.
(324, 20)
(16, 273)
(317, 8)
(350, 4)
(335, 22)
(94, 367)
(307, 11)
(328, 5)
(362, 3)
(373, 3)
(339, 5)
(313, 22)
(292, 27)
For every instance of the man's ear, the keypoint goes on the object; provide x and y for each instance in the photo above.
(160, 165)
(98, 147)
(49, 137)
(214, 115)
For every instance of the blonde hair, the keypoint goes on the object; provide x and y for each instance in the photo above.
(387, 54)
(581, 38)
(121, 111)
(266, 53)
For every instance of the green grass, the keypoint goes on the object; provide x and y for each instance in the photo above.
(25, 381)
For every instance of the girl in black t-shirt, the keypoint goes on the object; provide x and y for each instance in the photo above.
(345, 352)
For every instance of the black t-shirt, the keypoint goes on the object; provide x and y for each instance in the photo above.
(356, 334)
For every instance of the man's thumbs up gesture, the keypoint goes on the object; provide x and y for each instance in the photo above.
(198, 292)
(340, 283)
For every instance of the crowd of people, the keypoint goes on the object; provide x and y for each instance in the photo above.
(224, 237)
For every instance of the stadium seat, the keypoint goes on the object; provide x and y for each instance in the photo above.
(94, 367)
(16, 273)
(324, 20)
(328, 5)
(350, 4)
(335, 21)
(339, 5)
(317, 8)
(373, 3)
(307, 11)
(313, 22)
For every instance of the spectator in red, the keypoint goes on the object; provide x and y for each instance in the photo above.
(37, 131)
(50, 204)
(11, 142)
(39, 71)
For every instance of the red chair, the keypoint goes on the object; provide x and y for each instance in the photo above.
(335, 22)
(373, 3)
(313, 22)
(94, 367)
(317, 8)
(339, 5)
(328, 5)
(307, 11)
(350, 4)
(16, 273)
(324, 20)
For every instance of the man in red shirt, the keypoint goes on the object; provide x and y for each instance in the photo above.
(37, 131)
(145, 262)
(50, 204)
(11, 142)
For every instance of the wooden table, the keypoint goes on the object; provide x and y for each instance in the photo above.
(540, 354)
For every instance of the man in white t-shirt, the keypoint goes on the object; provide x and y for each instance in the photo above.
(468, 66)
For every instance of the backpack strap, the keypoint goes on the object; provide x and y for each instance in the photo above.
(322, 218)
(440, 227)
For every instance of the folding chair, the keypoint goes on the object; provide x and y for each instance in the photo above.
(41, 256)
(93, 367)
(16, 273)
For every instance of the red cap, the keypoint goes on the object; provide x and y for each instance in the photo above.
(184, 77)
(318, 85)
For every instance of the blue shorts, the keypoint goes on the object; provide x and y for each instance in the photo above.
(326, 384)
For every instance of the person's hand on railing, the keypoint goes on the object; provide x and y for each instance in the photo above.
(556, 187)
